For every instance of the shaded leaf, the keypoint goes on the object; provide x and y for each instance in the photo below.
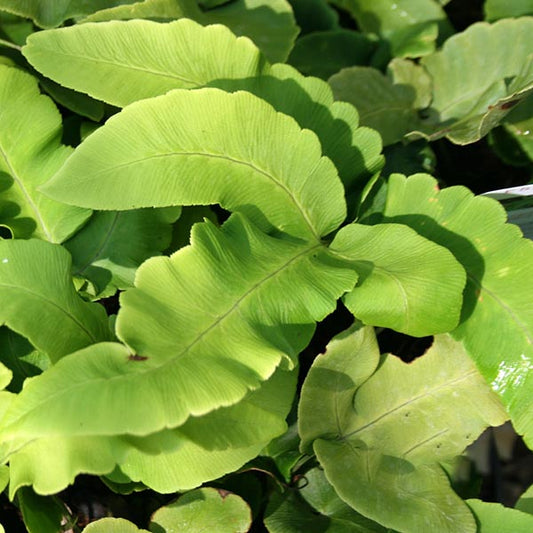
(108, 250)
(265, 167)
(497, 317)
(205, 509)
(42, 514)
(519, 124)
(51, 13)
(525, 502)
(196, 344)
(121, 62)
(324, 53)
(495, 518)
(389, 104)
(269, 24)
(30, 153)
(39, 300)
(377, 447)
(314, 15)
(400, 279)
(499, 9)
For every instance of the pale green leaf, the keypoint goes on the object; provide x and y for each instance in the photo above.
(499, 9)
(266, 166)
(205, 509)
(121, 62)
(497, 317)
(5, 375)
(406, 283)
(197, 344)
(149, 9)
(30, 153)
(380, 426)
(269, 24)
(20, 357)
(495, 518)
(108, 250)
(324, 53)
(389, 104)
(355, 151)
(473, 87)
(4, 476)
(39, 300)
(113, 525)
(51, 13)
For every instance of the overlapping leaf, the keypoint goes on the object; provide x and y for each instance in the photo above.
(113, 525)
(314, 15)
(30, 153)
(497, 318)
(377, 447)
(51, 13)
(499, 9)
(194, 147)
(197, 344)
(406, 283)
(495, 518)
(121, 62)
(110, 247)
(205, 509)
(39, 300)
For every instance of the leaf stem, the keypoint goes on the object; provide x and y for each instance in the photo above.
(9, 44)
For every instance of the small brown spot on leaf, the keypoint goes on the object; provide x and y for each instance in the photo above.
(135, 357)
(223, 493)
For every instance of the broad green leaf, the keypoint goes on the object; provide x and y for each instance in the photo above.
(525, 503)
(495, 518)
(4, 477)
(355, 151)
(324, 53)
(401, 279)
(266, 167)
(195, 344)
(384, 447)
(17, 354)
(40, 303)
(314, 15)
(121, 62)
(16, 29)
(408, 25)
(478, 76)
(390, 104)
(51, 13)
(42, 514)
(113, 525)
(269, 24)
(205, 509)
(497, 317)
(30, 153)
(108, 250)
(499, 9)
(149, 9)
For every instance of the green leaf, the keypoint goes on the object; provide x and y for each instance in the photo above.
(39, 300)
(269, 24)
(499, 9)
(525, 503)
(384, 447)
(205, 509)
(42, 514)
(401, 279)
(314, 15)
(519, 124)
(51, 13)
(121, 62)
(355, 151)
(113, 525)
(17, 354)
(265, 167)
(108, 250)
(30, 153)
(495, 518)
(324, 53)
(497, 317)
(197, 344)
(389, 104)
(492, 73)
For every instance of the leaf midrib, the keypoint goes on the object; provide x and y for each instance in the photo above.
(25, 193)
